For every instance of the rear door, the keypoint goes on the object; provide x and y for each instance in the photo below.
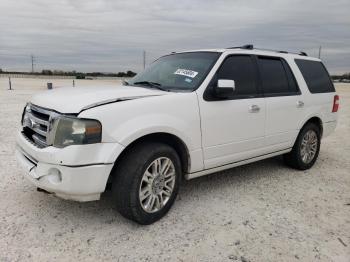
(284, 104)
(233, 128)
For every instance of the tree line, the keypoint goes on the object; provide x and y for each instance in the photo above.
(79, 75)
(342, 77)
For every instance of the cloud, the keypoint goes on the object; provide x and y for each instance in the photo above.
(108, 35)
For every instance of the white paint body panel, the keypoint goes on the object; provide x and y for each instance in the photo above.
(218, 134)
(281, 130)
(230, 132)
(74, 99)
(175, 113)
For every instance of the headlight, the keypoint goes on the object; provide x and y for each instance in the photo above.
(66, 131)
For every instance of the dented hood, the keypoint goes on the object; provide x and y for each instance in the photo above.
(77, 99)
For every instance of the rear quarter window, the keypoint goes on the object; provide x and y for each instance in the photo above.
(316, 76)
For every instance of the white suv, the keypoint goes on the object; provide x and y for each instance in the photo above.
(187, 115)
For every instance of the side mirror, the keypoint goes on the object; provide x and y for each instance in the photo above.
(225, 88)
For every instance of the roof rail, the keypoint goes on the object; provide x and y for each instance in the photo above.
(251, 47)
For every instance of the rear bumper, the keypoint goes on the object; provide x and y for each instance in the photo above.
(77, 173)
(328, 128)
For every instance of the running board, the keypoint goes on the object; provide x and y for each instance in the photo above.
(238, 163)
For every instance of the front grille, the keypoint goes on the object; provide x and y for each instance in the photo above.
(36, 124)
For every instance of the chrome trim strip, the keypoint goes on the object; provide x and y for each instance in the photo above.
(38, 124)
(38, 141)
(38, 120)
(39, 131)
(40, 109)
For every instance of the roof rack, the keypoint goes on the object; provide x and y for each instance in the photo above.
(251, 47)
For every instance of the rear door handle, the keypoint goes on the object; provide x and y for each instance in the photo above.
(300, 104)
(254, 109)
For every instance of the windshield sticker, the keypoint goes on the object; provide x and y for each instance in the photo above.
(186, 72)
(188, 80)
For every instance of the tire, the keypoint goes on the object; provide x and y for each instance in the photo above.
(130, 179)
(296, 159)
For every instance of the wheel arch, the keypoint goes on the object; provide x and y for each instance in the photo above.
(316, 120)
(162, 137)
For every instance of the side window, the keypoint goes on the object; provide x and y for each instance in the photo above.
(315, 75)
(241, 69)
(276, 77)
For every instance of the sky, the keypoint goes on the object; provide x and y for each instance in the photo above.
(110, 35)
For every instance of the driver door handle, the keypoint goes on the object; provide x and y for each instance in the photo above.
(254, 109)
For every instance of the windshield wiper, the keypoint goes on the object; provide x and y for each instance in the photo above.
(151, 84)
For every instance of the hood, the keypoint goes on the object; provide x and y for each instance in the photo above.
(76, 99)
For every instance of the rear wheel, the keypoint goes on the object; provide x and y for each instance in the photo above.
(146, 182)
(306, 148)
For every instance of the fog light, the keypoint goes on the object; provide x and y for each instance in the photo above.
(54, 176)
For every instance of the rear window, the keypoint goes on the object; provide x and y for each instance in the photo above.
(315, 75)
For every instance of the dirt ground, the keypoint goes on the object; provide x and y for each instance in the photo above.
(259, 212)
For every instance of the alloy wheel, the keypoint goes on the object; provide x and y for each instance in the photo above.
(157, 184)
(309, 146)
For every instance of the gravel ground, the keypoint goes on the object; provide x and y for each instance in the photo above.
(260, 212)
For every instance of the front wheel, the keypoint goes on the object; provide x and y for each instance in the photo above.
(146, 182)
(306, 148)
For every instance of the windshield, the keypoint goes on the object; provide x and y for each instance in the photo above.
(184, 71)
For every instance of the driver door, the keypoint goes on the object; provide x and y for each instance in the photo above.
(233, 128)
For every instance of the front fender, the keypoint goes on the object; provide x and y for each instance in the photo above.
(176, 114)
(142, 125)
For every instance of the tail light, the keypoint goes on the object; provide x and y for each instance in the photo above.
(335, 104)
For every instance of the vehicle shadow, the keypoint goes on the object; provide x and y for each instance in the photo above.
(103, 211)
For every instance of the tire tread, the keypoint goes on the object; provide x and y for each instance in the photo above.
(126, 180)
(293, 159)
